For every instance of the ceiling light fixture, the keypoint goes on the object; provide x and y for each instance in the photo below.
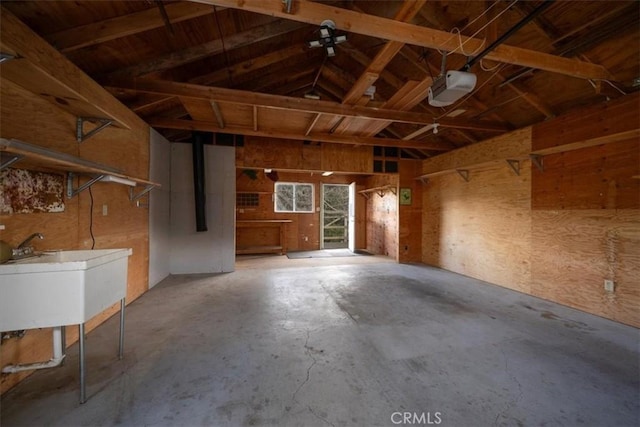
(327, 173)
(328, 38)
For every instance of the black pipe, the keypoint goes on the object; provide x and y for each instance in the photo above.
(197, 148)
(535, 12)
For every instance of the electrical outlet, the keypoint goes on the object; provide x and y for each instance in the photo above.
(105, 210)
(609, 286)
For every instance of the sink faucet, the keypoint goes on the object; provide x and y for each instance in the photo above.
(30, 238)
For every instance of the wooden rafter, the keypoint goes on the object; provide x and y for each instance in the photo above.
(375, 26)
(407, 11)
(186, 90)
(122, 26)
(207, 126)
(204, 50)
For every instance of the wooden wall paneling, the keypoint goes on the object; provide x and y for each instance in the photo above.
(599, 177)
(574, 251)
(597, 122)
(513, 145)
(347, 158)
(382, 217)
(34, 119)
(303, 233)
(410, 216)
(480, 228)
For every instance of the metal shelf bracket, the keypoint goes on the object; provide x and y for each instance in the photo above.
(464, 173)
(71, 192)
(134, 197)
(515, 166)
(537, 160)
(102, 124)
(11, 160)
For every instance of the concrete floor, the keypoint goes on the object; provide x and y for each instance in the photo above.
(310, 343)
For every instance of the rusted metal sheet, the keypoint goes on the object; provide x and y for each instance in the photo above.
(24, 191)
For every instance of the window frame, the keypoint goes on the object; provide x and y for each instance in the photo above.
(295, 185)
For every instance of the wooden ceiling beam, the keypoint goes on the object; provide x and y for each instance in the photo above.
(58, 80)
(407, 11)
(126, 25)
(375, 26)
(206, 126)
(531, 98)
(188, 90)
(194, 53)
(355, 96)
(248, 66)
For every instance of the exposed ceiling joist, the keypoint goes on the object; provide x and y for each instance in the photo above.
(204, 50)
(122, 26)
(187, 90)
(205, 126)
(375, 26)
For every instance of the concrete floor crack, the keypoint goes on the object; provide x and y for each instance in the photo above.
(314, 361)
(515, 401)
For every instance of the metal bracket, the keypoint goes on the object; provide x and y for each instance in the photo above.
(537, 160)
(394, 190)
(134, 197)
(515, 165)
(81, 136)
(11, 160)
(464, 174)
(71, 192)
(365, 195)
(380, 193)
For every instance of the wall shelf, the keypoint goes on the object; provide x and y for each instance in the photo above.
(380, 191)
(35, 157)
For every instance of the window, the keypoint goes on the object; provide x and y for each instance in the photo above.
(293, 197)
(247, 200)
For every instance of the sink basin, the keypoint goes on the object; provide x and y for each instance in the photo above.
(61, 288)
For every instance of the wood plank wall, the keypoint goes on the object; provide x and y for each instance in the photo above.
(303, 233)
(382, 217)
(556, 234)
(27, 117)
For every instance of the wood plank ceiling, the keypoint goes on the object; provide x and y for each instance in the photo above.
(244, 67)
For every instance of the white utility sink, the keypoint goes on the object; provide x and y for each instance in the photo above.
(61, 288)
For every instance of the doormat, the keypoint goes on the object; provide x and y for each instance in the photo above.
(325, 253)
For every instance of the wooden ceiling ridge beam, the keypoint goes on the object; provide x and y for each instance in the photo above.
(375, 26)
(125, 25)
(209, 126)
(194, 53)
(235, 96)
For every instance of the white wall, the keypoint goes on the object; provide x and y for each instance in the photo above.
(159, 208)
(212, 251)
